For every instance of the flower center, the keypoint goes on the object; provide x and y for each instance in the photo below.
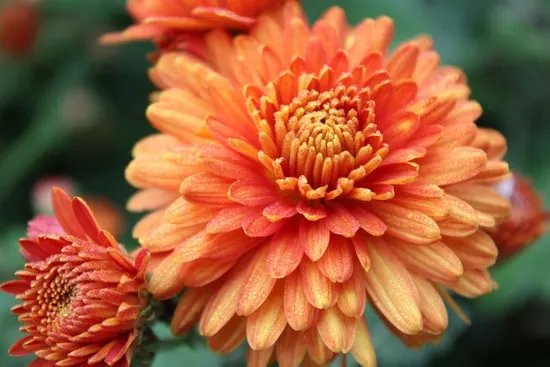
(54, 295)
(327, 140)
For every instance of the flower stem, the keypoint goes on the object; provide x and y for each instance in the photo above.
(343, 361)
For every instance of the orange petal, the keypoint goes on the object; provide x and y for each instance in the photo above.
(15, 287)
(199, 272)
(87, 220)
(401, 129)
(251, 193)
(259, 358)
(224, 246)
(448, 166)
(258, 284)
(352, 297)
(392, 290)
(290, 348)
(340, 221)
(279, 210)
(222, 305)
(188, 310)
(477, 250)
(407, 224)
(320, 292)
(316, 347)
(229, 337)
(436, 261)
(314, 238)
(474, 283)
(363, 349)
(369, 222)
(424, 190)
(458, 134)
(150, 199)
(232, 170)
(18, 348)
(402, 62)
(157, 172)
(229, 219)
(168, 236)
(432, 307)
(165, 282)
(185, 213)
(256, 225)
(206, 188)
(493, 173)
(360, 242)
(174, 120)
(337, 262)
(62, 207)
(285, 253)
(337, 330)
(463, 219)
(403, 155)
(483, 199)
(425, 136)
(264, 326)
(435, 208)
(311, 212)
(300, 314)
(146, 225)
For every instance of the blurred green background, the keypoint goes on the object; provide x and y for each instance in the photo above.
(73, 108)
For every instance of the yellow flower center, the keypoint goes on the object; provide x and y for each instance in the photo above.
(54, 295)
(327, 142)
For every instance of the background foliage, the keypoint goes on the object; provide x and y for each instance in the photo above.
(74, 108)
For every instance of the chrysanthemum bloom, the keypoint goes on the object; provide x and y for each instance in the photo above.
(308, 171)
(83, 297)
(18, 27)
(527, 221)
(176, 24)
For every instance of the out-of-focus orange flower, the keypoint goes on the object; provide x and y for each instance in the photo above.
(108, 215)
(18, 27)
(306, 171)
(176, 24)
(83, 297)
(527, 221)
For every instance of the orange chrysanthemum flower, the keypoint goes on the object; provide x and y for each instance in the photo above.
(527, 221)
(306, 171)
(83, 297)
(174, 24)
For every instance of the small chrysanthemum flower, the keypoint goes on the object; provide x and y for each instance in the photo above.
(309, 171)
(83, 297)
(175, 24)
(527, 221)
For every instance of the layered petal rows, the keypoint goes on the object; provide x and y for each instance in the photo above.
(178, 24)
(307, 170)
(83, 298)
